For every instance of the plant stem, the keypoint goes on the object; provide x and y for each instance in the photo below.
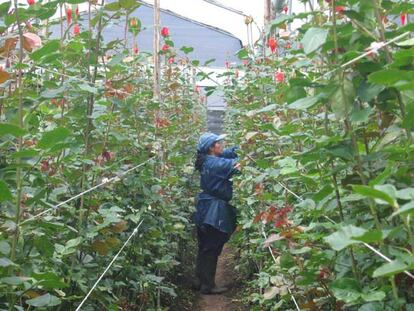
(20, 86)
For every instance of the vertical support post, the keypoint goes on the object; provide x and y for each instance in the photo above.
(267, 12)
(156, 43)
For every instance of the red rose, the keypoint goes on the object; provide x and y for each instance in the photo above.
(31, 2)
(403, 17)
(69, 15)
(340, 9)
(165, 47)
(136, 50)
(272, 43)
(76, 29)
(165, 32)
(280, 76)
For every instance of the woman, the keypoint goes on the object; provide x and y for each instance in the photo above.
(215, 217)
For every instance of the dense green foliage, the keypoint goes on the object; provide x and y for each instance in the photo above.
(75, 111)
(342, 141)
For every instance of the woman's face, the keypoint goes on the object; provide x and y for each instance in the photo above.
(217, 148)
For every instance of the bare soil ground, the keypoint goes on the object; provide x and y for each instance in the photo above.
(225, 276)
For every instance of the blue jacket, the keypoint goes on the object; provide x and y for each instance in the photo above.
(213, 206)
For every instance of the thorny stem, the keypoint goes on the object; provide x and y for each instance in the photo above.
(20, 87)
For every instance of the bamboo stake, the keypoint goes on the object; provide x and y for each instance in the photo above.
(157, 69)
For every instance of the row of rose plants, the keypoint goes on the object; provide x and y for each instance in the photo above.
(327, 155)
(77, 110)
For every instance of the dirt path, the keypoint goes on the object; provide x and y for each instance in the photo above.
(225, 276)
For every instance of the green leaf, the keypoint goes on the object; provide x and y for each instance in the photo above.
(409, 42)
(6, 262)
(127, 4)
(371, 236)
(343, 98)
(113, 6)
(405, 209)
(346, 289)
(4, 248)
(11, 129)
(49, 139)
(49, 280)
(242, 54)
(390, 77)
(390, 268)
(368, 91)
(373, 296)
(406, 194)
(313, 39)
(304, 103)
(187, 49)
(87, 88)
(29, 153)
(14, 280)
(344, 237)
(280, 20)
(46, 300)
(374, 194)
(53, 93)
(5, 194)
(48, 48)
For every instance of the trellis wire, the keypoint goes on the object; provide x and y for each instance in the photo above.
(104, 182)
(109, 266)
(380, 45)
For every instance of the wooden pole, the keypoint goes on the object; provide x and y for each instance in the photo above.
(267, 12)
(157, 64)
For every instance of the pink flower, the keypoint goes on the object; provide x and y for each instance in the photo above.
(227, 64)
(165, 32)
(340, 9)
(285, 9)
(171, 60)
(280, 76)
(69, 15)
(272, 43)
(165, 48)
(136, 50)
(403, 17)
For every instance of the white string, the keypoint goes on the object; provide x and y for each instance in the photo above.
(109, 266)
(372, 49)
(104, 182)
(220, 5)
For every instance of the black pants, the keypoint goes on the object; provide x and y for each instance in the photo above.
(210, 240)
(210, 245)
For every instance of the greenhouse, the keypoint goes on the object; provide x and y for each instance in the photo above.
(207, 155)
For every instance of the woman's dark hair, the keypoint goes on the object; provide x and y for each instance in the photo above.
(201, 157)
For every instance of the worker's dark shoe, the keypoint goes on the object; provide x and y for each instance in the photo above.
(208, 274)
(196, 284)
